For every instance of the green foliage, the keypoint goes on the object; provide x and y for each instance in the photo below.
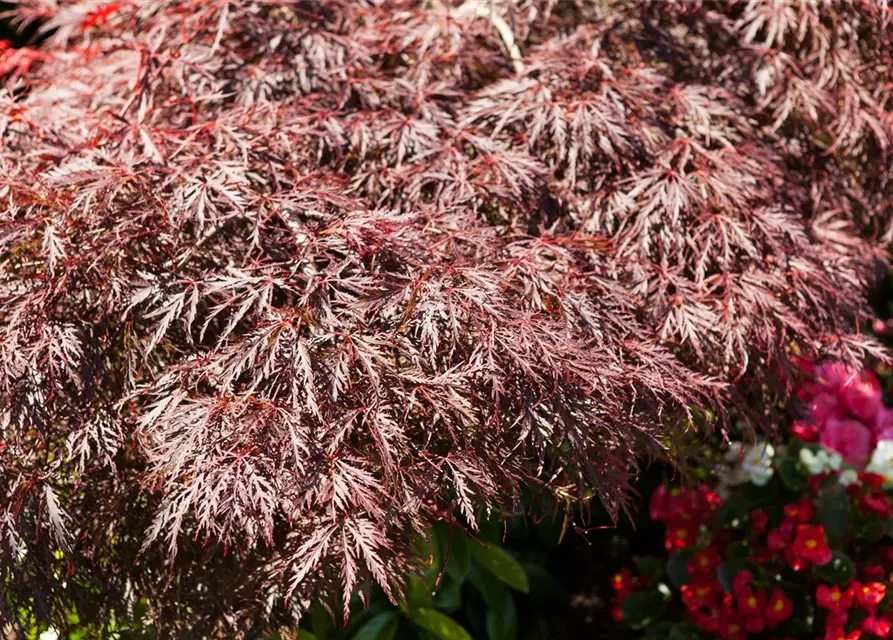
(643, 608)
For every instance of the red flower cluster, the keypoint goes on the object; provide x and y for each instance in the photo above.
(794, 548)
(800, 544)
(862, 597)
(624, 583)
(731, 616)
(791, 543)
(682, 510)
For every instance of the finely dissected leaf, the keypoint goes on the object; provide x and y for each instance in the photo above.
(282, 283)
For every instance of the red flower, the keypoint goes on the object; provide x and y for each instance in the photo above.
(779, 538)
(695, 596)
(834, 599)
(681, 535)
(806, 431)
(810, 545)
(839, 633)
(870, 594)
(622, 581)
(617, 614)
(758, 521)
(751, 603)
(876, 503)
(741, 582)
(750, 606)
(658, 508)
(873, 480)
(836, 619)
(779, 608)
(802, 511)
(877, 626)
(704, 562)
(731, 626)
(709, 621)
(682, 503)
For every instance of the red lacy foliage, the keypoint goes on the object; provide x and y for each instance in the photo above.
(289, 279)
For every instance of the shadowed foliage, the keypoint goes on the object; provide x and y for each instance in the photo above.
(283, 282)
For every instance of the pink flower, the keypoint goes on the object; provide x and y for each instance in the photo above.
(838, 390)
(833, 374)
(851, 439)
(862, 396)
(883, 425)
(826, 406)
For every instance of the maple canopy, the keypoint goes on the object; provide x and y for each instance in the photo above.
(283, 282)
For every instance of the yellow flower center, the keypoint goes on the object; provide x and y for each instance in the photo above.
(752, 602)
(734, 628)
(704, 561)
(811, 544)
(778, 606)
(835, 596)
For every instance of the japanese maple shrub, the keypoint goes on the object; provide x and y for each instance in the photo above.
(284, 281)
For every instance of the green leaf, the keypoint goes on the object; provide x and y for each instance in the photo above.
(755, 496)
(427, 549)
(732, 512)
(457, 554)
(738, 551)
(659, 631)
(494, 592)
(840, 570)
(641, 609)
(490, 529)
(726, 572)
(417, 593)
(651, 567)
(872, 530)
(792, 475)
(320, 621)
(677, 567)
(503, 624)
(501, 565)
(549, 524)
(448, 596)
(833, 510)
(438, 624)
(675, 631)
(544, 587)
(378, 627)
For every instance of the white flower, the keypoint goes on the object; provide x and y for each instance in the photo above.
(750, 464)
(881, 461)
(820, 461)
(848, 477)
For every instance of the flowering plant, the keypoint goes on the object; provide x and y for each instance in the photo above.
(785, 540)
